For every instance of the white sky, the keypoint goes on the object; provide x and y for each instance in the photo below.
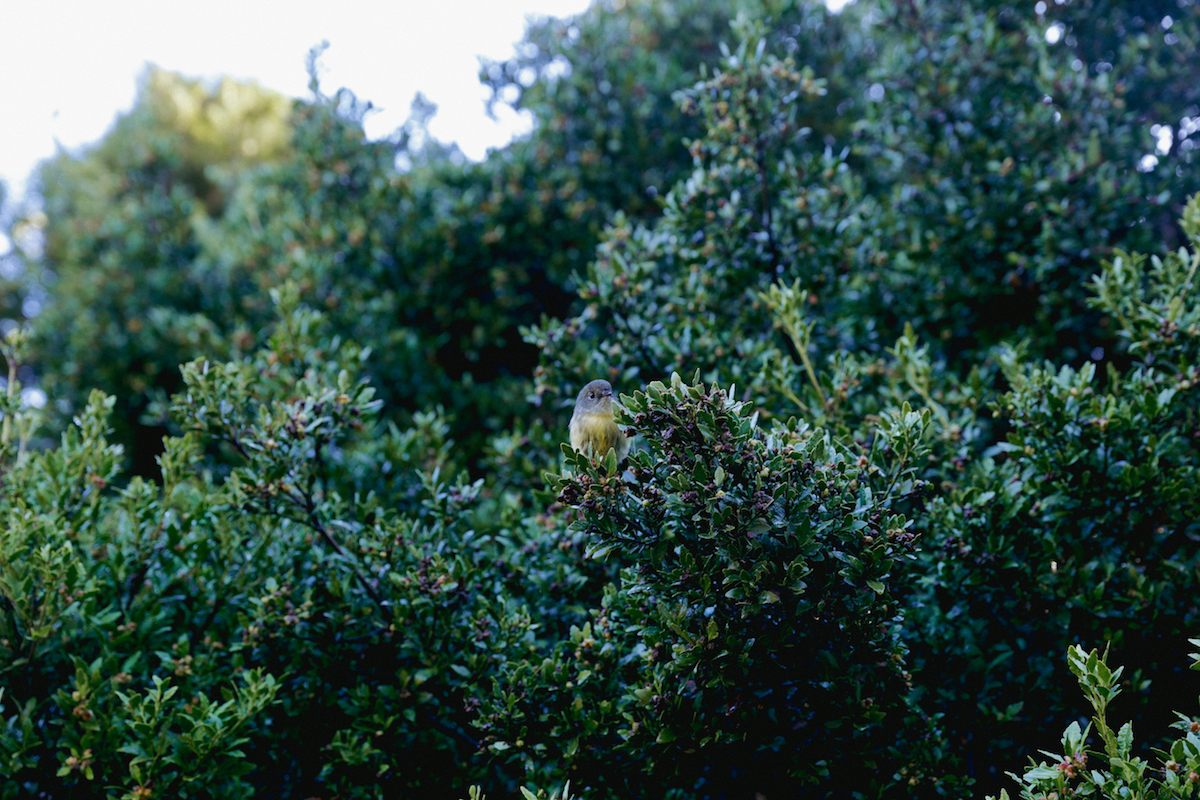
(68, 67)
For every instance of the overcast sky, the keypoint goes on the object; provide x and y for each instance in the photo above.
(67, 68)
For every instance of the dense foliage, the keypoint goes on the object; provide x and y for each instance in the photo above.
(1119, 773)
(297, 519)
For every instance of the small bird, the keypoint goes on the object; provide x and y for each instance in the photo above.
(592, 424)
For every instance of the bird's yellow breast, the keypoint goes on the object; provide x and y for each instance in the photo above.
(600, 432)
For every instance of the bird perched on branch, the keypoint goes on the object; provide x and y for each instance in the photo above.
(592, 424)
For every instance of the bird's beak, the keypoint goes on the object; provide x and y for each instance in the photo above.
(606, 393)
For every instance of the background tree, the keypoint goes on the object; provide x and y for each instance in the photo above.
(129, 301)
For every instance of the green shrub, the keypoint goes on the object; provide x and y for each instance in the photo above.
(1077, 526)
(752, 642)
(1119, 773)
(261, 628)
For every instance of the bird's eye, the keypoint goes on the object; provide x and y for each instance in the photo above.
(592, 395)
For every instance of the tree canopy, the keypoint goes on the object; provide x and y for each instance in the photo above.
(901, 302)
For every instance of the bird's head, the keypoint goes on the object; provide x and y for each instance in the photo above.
(595, 398)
